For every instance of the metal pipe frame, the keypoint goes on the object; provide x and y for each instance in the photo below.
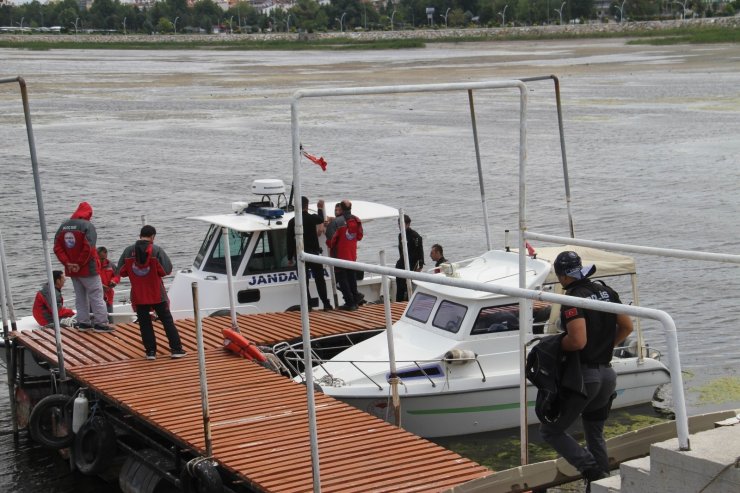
(296, 143)
(42, 220)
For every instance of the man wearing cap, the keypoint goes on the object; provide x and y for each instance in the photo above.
(415, 247)
(593, 334)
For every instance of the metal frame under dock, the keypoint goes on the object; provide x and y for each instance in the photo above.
(258, 419)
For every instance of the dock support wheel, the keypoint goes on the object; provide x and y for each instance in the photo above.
(200, 476)
(50, 423)
(95, 446)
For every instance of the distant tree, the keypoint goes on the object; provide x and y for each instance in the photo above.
(206, 14)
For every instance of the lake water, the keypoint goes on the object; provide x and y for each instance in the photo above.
(651, 134)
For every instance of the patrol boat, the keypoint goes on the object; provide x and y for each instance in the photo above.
(457, 351)
(253, 240)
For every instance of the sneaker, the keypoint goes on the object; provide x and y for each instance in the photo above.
(151, 355)
(348, 308)
(103, 328)
(178, 353)
(591, 475)
(84, 326)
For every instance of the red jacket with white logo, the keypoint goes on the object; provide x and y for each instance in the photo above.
(343, 243)
(74, 243)
(141, 264)
(107, 276)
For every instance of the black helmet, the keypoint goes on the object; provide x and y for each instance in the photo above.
(569, 264)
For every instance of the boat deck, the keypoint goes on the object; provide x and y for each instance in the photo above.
(258, 419)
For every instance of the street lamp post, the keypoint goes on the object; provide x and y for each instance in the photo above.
(231, 25)
(392, 14)
(621, 11)
(21, 24)
(174, 25)
(124, 26)
(503, 15)
(445, 16)
(287, 23)
(560, 12)
(75, 25)
(341, 21)
(683, 6)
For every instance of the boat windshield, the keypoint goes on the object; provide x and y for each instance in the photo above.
(270, 253)
(449, 316)
(500, 318)
(421, 307)
(216, 259)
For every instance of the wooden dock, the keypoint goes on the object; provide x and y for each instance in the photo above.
(259, 421)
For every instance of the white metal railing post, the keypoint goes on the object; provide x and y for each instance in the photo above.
(305, 327)
(525, 305)
(202, 377)
(229, 276)
(393, 379)
(481, 184)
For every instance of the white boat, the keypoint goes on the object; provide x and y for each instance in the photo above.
(258, 245)
(457, 354)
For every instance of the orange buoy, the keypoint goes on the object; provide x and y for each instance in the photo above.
(238, 344)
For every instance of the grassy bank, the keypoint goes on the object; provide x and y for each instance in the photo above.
(639, 33)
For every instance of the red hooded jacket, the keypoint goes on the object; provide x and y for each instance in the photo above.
(42, 309)
(343, 243)
(74, 243)
(141, 266)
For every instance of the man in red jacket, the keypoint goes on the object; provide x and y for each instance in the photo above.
(74, 246)
(343, 245)
(42, 310)
(145, 264)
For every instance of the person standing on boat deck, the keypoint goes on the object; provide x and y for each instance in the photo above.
(347, 231)
(593, 334)
(42, 309)
(415, 247)
(108, 277)
(145, 264)
(74, 246)
(313, 227)
(437, 255)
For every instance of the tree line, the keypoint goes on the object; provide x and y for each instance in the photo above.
(176, 16)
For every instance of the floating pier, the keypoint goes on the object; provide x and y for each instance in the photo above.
(258, 418)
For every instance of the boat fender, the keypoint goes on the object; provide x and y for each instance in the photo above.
(50, 423)
(238, 344)
(79, 412)
(200, 475)
(95, 446)
(459, 356)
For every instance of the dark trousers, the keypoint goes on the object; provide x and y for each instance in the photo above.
(147, 329)
(402, 292)
(347, 281)
(600, 385)
(317, 271)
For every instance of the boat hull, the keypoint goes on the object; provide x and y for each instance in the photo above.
(449, 413)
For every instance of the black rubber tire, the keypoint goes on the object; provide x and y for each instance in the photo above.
(95, 446)
(202, 478)
(50, 416)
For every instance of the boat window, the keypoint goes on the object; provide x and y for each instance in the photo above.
(238, 243)
(421, 307)
(494, 319)
(449, 316)
(204, 247)
(270, 253)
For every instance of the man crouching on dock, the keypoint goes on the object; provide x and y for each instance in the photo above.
(145, 264)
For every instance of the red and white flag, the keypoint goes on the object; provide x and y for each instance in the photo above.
(317, 160)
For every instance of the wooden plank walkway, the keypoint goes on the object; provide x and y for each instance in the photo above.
(259, 419)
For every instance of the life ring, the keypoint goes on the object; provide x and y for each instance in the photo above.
(200, 475)
(50, 423)
(237, 343)
(95, 445)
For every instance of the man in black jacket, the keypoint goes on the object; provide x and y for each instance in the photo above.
(416, 257)
(313, 225)
(593, 334)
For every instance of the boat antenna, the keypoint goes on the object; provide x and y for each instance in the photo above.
(289, 206)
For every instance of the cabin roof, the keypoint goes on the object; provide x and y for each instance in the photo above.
(607, 263)
(366, 211)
